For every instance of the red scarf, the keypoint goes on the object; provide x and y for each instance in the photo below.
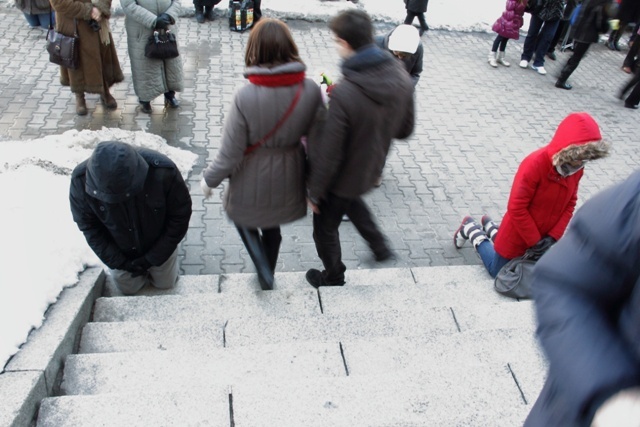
(275, 80)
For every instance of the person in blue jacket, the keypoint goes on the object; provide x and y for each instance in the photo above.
(587, 298)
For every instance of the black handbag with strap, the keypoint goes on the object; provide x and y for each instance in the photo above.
(63, 50)
(161, 45)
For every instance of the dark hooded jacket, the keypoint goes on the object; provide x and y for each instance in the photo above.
(542, 201)
(593, 20)
(130, 202)
(587, 298)
(371, 105)
(412, 63)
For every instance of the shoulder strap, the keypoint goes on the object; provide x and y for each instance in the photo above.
(250, 149)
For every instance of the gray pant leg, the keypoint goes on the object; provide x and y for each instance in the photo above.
(163, 276)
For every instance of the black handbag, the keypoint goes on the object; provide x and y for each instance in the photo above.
(64, 50)
(161, 46)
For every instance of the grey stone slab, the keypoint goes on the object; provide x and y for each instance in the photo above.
(393, 400)
(511, 314)
(250, 330)
(342, 299)
(186, 285)
(195, 408)
(47, 346)
(205, 307)
(108, 337)
(182, 370)
(20, 395)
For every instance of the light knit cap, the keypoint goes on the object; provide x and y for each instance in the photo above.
(405, 38)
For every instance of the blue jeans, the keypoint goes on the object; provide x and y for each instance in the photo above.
(538, 38)
(490, 258)
(40, 20)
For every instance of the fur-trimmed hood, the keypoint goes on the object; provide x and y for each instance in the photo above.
(577, 138)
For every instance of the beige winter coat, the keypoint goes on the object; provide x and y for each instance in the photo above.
(266, 187)
(99, 65)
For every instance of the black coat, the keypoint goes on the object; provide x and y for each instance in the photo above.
(412, 63)
(593, 20)
(130, 202)
(629, 11)
(551, 10)
(587, 297)
(416, 6)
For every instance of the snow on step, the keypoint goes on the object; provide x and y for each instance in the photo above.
(203, 407)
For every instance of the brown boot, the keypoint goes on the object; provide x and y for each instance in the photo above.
(109, 101)
(81, 105)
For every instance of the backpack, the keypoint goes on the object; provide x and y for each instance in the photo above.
(240, 15)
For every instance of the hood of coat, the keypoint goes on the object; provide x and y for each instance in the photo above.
(365, 69)
(263, 70)
(577, 139)
(115, 172)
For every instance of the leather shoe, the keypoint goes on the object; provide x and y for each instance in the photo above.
(552, 55)
(563, 85)
(632, 106)
(145, 107)
(171, 101)
(316, 279)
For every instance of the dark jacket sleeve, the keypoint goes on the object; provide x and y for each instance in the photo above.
(581, 287)
(409, 120)
(98, 237)
(416, 70)
(177, 220)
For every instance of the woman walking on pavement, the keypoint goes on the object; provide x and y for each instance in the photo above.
(508, 27)
(593, 20)
(417, 8)
(543, 196)
(542, 28)
(99, 66)
(260, 151)
(152, 77)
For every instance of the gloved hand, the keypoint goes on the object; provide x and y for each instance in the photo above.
(163, 21)
(206, 190)
(138, 266)
(543, 245)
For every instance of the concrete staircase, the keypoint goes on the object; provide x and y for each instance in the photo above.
(394, 347)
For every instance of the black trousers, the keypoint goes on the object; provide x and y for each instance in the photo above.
(579, 50)
(263, 246)
(327, 237)
(410, 17)
(634, 96)
(499, 42)
(630, 59)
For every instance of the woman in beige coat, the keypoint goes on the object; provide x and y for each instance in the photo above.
(99, 66)
(271, 114)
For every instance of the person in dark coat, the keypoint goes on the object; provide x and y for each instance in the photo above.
(542, 27)
(628, 12)
(587, 298)
(204, 10)
(367, 109)
(633, 85)
(133, 207)
(404, 43)
(417, 8)
(593, 20)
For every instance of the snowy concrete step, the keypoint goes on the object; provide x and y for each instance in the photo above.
(204, 407)
(406, 400)
(208, 306)
(186, 285)
(181, 370)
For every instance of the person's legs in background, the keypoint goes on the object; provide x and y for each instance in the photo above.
(579, 50)
(32, 20)
(361, 218)
(546, 34)
(271, 240)
(530, 41)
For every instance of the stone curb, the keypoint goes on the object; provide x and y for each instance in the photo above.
(31, 374)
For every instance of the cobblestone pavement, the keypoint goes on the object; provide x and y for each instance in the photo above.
(474, 126)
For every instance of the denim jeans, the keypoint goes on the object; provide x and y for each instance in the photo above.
(538, 39)
(40, 20)
(490, 258)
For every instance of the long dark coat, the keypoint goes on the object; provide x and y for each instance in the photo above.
(587, 297)
(416, 6)
(592, 21)
(99, 65)
(138, 206)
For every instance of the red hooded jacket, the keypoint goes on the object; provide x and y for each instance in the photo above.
(542, 202)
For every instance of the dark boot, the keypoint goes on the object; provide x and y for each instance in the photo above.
(208, 13)
(170, 99)
(200, 14)
(251, 240)
(108, 101)
(271, 241)
(81, 104)
(561, 83)
(145, 107)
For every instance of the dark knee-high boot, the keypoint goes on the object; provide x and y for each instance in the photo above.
(252, 242)
(200, 14)
(271, 245)
(561, 83)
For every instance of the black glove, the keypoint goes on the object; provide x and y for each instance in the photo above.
(543, 245)
(163, 21)
(137, 267)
